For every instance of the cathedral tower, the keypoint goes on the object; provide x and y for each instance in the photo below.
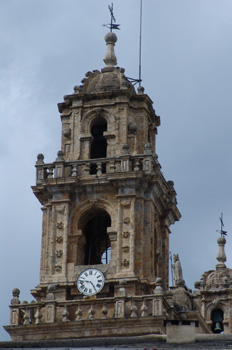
(106, 212)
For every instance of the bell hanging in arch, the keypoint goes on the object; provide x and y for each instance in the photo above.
(218, 328)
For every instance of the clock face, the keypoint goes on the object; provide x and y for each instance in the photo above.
(91, 281)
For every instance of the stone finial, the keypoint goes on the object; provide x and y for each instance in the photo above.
(140, 90)
(122, 289)
(110, 59)
(198, 285)
(158, 286)
(147, 148)
(40, 159)
(15, 299)
(50, 292)
(60, 156)
(125, 149)
(171, 185)
(221, 255)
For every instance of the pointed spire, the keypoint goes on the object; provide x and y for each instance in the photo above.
(110, 59)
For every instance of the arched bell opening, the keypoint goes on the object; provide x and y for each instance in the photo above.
(97, 246)
(99, 143)
(217, 317)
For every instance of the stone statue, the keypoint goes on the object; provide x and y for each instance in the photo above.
(177, 269)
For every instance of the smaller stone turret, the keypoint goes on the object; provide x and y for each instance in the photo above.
(214, 292)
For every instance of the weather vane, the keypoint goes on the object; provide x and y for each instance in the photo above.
(222, 232)
(112, 25)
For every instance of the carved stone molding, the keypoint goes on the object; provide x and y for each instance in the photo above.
(59, 253)
(94, 202)
(125, 203)
(126, 234)
(126, 249)
(60, 225)
(59, 239)
(126, 263)
(58, 268)
(126, 220)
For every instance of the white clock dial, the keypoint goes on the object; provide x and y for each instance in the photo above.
(90, 281)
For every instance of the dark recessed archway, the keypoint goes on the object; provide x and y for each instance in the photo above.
(217, 317)
(97, 247)
(99, 143)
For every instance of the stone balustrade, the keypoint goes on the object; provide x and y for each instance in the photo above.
(90, 167)
(50, 311)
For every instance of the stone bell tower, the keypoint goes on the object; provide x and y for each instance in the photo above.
(106, 205)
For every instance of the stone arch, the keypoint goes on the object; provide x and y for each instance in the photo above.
(217, 318)
(106, 133)
(89, 117)
(214, 305)
(81, 216)
(98, 146)
(98, 245)
(210, 311)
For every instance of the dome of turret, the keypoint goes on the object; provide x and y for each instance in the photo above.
(109, 79)
(218, 279)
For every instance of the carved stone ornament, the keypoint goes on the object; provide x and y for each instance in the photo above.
(126, 203)
(59, 239)
(59, 253)
(126, 234)
(79, 313)
(126, 220)
(125, 249)
(126, 262)
(65, 314)
(94, 202)
(15, 293)
(58, 268)
(60, 225)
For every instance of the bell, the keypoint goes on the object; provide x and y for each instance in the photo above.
(217, 328)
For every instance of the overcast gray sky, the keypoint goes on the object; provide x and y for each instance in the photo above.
(46, 48)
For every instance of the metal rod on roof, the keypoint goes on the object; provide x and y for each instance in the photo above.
(140, 42)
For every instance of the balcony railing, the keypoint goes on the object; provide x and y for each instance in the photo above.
(79, 310)
(93, 167)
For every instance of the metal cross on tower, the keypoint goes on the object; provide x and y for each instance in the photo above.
(112, 25)
(222, 232)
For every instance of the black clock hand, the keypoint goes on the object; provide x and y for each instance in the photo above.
(93, 286)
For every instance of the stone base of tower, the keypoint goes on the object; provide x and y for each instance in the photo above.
(88, 329)
(89, 317)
